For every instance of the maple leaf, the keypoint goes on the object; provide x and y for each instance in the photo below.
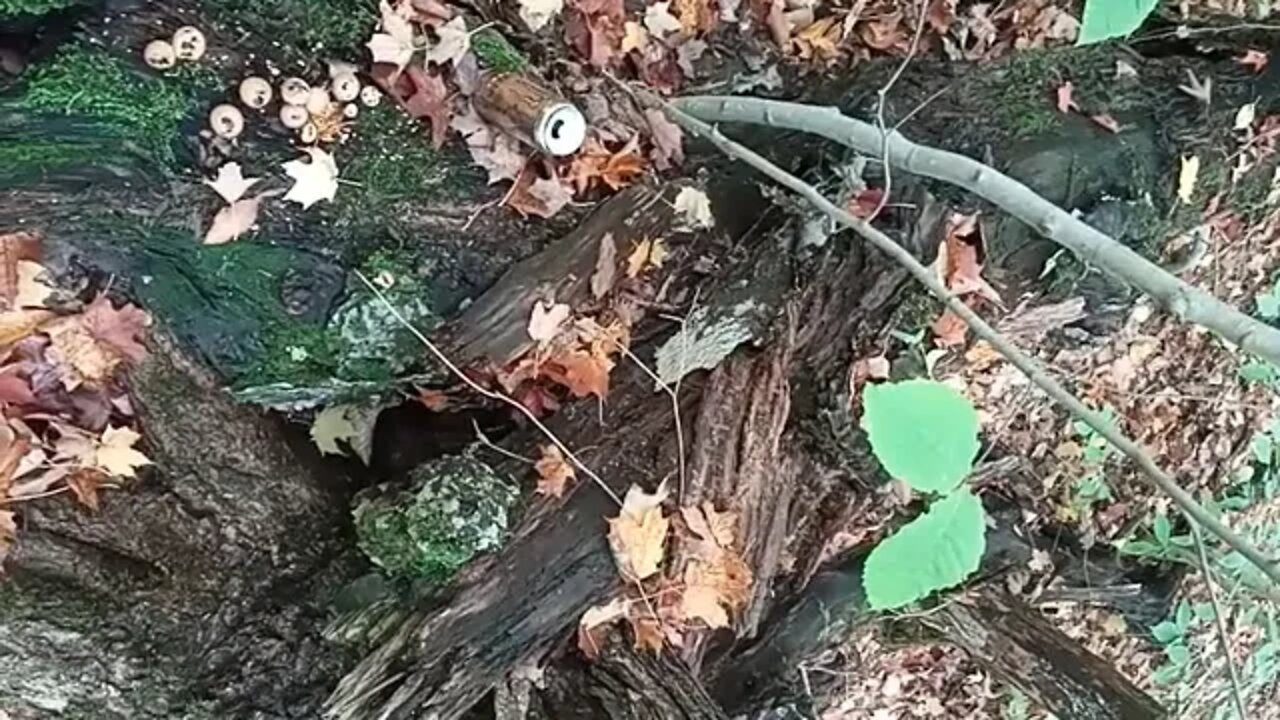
(233, 221)
(659, 21)
(606, 267)
(1066, 103)
(84, 484)
(634, 37)
(425, 95)
(543, 197)
(957, 263)
(614, 169)
(90, 346)
(668, 140)
(537, 13)
(17, 324)
(716, 579)
(818, 39)
(118, 329)
(886, 33)
(638, 535)
(313, 181)
(554, 473)
(453, 42)
(394, 45)
(230, 183)
(694, 208)
(696, 16)
(546, 319)
(497, 153)
(115, 454)
(647, 254)
(1255, 60)
(583, 372)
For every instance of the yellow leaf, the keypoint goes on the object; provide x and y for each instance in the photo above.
(115, 454)
(638, 535)
(703, 602)
(647, 254)
(634, 37)
(32, 292)
(1187, 177)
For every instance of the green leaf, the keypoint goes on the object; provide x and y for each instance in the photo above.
(1269, 303)
(1166, 632)
(1139, 548)
(922, 432)
(1166, 675)
(1183, 614)
(1178, 654)
(1258, 371)
(1162, 529)
(1262, 447)
(937, 550)
(1106, 19)
(1203, 611)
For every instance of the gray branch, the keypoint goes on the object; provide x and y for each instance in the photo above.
(1185, 301)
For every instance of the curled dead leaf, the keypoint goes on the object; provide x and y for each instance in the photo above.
(637, 536)
(554, 472)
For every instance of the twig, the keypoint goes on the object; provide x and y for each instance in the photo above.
(1219, 622)
(882, 99)
(491, 394)
(1192, 509)
(1092, 247)
(485, 441)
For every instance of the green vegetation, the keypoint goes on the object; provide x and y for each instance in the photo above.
(456, 508)
(142, 110)
(495, 53)
(1107, 19)
(925, 434)
(12, 8)
(303, 29)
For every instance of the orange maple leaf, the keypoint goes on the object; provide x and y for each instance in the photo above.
(554, 473)
(583, 372)
(596, 163)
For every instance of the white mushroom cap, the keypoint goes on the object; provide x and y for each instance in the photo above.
(293, 116)
(226, 121)
(350, 111)
(308, 133)
(189, 43)
(318, 101)
(159, 54)
(255, 92)
(294, 91)
(370, 95)
(346, 87)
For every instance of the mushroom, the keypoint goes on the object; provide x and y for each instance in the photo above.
(309, 133)
(189, 43)
(227, 121)
(370, 96)
(255, 92)
(294, 91)
(159, 54)
(293, 116)
(318, 101)
(346, 87)
(350, 111)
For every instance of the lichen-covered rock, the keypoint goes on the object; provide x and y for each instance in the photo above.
(455, 508)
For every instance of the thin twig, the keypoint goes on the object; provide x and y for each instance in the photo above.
(675, 411)
(486, 442)
(1091, 246)
(1219, 622)
(1030, 367)
(882, 100)
(486, 392)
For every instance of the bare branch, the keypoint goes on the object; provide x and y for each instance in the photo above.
(1192, 509)
(1185, 301)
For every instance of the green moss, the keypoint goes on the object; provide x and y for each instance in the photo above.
(495, 53)
(136, 108)
(1022, 94)
(456, 508)
(302, 29)
(11, 8)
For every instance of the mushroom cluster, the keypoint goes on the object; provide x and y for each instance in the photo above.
(187, 44)
(314, 114)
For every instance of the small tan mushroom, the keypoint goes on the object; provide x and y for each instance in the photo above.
(370, 96)
(346, 87)
(350, 111)
(189, 43)
(318, 101)
(159, 54)
(295, 91)
(309, 133)
(293, 116)
(227, 121)
(255, 92)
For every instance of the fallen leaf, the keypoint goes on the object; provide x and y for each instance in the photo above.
(313, 181)
(1125, 71)
(668, 140)
(32, 290)
(592, 626)
(8, 533)
(84, 484)
(395, 44)
(949, 330)
(496, 152)
(1255, 60)
(634, 37)
(424, 94)
(720, 528)
(1105, 121)
(433, 400)
(819, 39)
(694, 208)
(864, 202)
(696, 16)
(543, 197)
(115, 453)
(606, 267)
(17, 324)
(647, 254)
(1066, 103)
(230, 184)
(649, 633)
(582, 372)
(546, 320)
(1201, 90)
(119, 329)
(453, 42)
(15, 248)
(330, 425)
(233, 221)
(554, 472)
(701, 601)
(615, 170)
(638, 535)
(659, 21)
(87, 348)
(958, 265)
(1188, 173)
(537, 13)
(1245, 116)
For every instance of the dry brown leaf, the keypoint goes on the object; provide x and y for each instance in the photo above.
(17, 324)
(819, 39)
(583, 372)
(667, 138)
(701, 600)
(14, 248)
(596, 163)
(8, 533)
(543, 197)
(649, 633)
(233, 221)
(432, 399)
(638, 535)
(949, 330)
(634, 37)
(595, 623)
(957, 264)
(84, 484)
(554, 472)
(606, 267)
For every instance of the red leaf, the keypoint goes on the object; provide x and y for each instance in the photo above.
(119, 329)
(865, 202)
(1066, 103)
(1106, 122)
(949, 330)
(1255, 60)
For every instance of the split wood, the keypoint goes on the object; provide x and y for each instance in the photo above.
(694, 114)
